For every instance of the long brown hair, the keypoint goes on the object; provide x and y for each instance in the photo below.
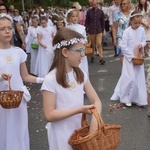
(59, 60)
(140, 7)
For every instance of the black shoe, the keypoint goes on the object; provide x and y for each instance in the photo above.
(105, 44)
(92, 59)
(116, 55)
(102, 62)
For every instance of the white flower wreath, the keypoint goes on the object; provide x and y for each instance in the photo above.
(138, 14)
(70, 42)
(3, 15)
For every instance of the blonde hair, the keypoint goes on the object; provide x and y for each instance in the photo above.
(70, 13)
(128, 3)
(76, 5)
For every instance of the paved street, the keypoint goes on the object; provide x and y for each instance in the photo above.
(135, 131)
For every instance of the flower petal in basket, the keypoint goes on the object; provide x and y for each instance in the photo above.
(106, 137)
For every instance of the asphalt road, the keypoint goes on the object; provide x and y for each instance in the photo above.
(135, 125)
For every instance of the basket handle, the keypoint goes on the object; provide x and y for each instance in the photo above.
(33, 39)
(98, 118)
(9, 77)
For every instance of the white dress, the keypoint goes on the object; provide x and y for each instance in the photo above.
(81, 29)
(32, 33)
(131, 86)
(66, 98)
(45, 56)
(13, 122)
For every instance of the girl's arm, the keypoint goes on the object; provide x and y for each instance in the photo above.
(50, 112)
(27, 77)
(95, 100)
(39, 37)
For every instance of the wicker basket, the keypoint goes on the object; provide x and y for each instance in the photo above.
(137, 61)
(10, 99)
(88, 49)
(106, 137)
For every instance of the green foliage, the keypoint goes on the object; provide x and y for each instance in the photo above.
(43, 3)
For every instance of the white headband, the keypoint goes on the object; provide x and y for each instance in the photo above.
(70, 42)
(138, 14)
(3, 15)
(70, 10)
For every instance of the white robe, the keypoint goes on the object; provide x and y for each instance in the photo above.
(131, 85)
(60, 131)
(45, 56)
(32, 33)
(81, 29)
(13, 122)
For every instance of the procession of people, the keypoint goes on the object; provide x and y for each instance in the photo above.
(54, 41)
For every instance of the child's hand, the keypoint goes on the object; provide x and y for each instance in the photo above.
(44, 46)
(86, 109)
(6, 76)
(139, 47)
(115, 43)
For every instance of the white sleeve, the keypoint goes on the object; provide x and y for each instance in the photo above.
(48, 84)
(128, 53)
(27, 39)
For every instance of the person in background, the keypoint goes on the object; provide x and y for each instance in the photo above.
(60, 23)
(94, 24)
(131, 85)
(11, 10)
(73, 19)
(45, 35)
(18, 17)
(78, 7)
(25, 24)
(63, 90)
(113, 10)
(120, 23)
(107, 30)
(144, 7)
(32, 38)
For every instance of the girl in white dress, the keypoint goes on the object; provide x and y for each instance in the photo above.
(131, 86)
(13, 122)
(73, 19)
(45, 35)
(63, 90)
(32, 38)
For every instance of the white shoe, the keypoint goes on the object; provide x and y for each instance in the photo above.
(129, 104)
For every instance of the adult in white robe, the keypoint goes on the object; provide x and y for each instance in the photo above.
(131, 86)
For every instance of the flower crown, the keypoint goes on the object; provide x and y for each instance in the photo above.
(3, 15)
(70, 42)
(70, 10)
(138, 14)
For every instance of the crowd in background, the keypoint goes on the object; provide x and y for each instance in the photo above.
(56, 54)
